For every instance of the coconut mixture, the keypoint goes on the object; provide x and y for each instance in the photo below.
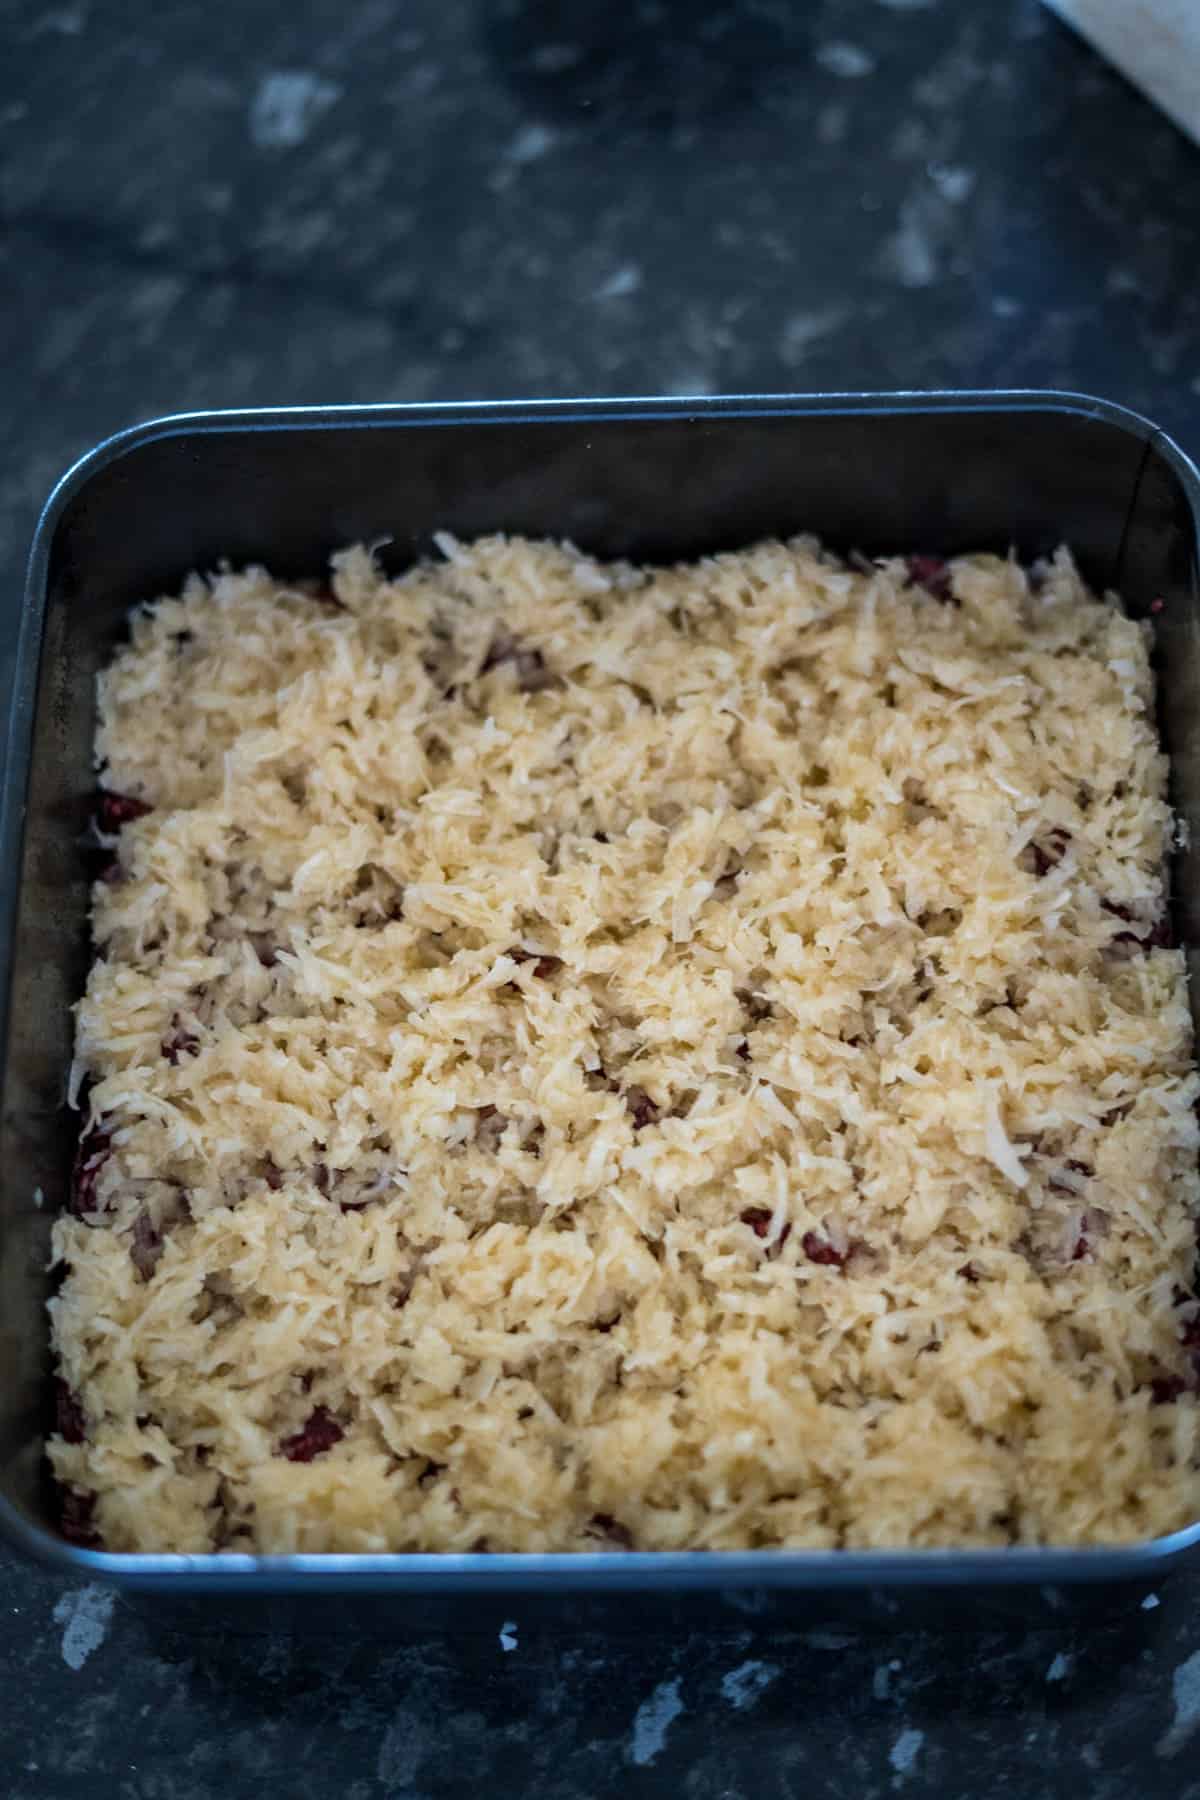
(586, 1058)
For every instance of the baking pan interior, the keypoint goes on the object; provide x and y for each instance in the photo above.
(649, 480)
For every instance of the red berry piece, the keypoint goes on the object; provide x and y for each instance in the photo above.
(318, 1435)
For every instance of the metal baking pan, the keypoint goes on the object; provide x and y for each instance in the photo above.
(649, 479)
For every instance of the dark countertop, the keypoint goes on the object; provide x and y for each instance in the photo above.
(481, 198)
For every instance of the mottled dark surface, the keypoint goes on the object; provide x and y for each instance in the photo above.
(387, 201)
(737, 1710)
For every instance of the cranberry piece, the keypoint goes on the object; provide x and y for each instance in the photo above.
(1082, 1249)
(818, 1249)
(1189, 1336)
(1157, 605)
(543, 966)
(319, 1434)
(1155, 935)
(77, 1508)
(95, 1148)
(610, 1531)
(529, 665)
(642, 1108)
(759, 1221)
(490, 1126)
(147, 1246)
(969, 1273)
(114, 810)
(69, 1419)
(932, 573)
(1078, 1168)
(272, 1174)
(318, 589)
(112, 874)
(179, 1042)
(502, 649)
(1044, 854)
(533, 1137)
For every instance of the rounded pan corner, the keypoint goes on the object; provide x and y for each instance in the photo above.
(1093, 406)
(41, 1545)
(1185, 469)
(76, 476)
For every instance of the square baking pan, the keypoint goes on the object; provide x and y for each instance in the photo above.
(646, 479)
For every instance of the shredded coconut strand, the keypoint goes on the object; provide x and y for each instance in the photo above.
(582, 1057)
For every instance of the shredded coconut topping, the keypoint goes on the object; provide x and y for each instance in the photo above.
(585, 1057)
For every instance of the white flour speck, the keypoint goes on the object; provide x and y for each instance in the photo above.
(401, 1751)
(1150, 1602)
(287, 105)
(552, 59)
(1186, 1687)
(749, 1602)
(65, 21)
(687, 383)
(952, 182)
(1061, 1667)
(910, 254)
(530, 142)
(743, 1685)
(805, 329)
(847, 61)
(84, 1615)
(905, 1751)
(652, 1721)
(529, 145)
(508, 1635)
(625, 280)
